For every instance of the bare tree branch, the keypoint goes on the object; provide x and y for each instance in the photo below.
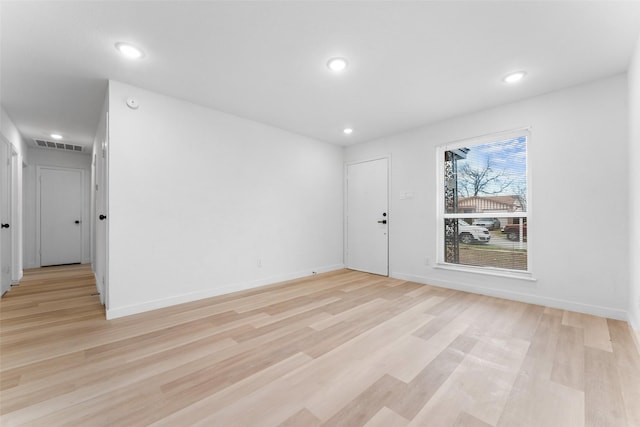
(486, 180)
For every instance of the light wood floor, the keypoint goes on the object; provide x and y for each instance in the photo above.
(337, 349)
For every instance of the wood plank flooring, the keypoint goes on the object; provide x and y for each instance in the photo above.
(337, 349)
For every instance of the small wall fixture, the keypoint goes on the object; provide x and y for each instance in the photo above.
(337, 64)
(132, 103)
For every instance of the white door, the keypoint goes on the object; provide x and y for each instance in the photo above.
(101, 222)
(5, 215)
(368, 216)
(60, 216)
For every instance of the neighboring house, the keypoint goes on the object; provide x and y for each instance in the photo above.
(490, 204)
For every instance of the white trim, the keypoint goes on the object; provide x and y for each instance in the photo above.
(113, 313)
(489, 271)
(83, 211)
(487, 215)
(18, 279)
(105, 146)
(16, 214)
(562, 304)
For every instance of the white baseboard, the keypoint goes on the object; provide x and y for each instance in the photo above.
(17, 281)
(596, 310)
(113, 313)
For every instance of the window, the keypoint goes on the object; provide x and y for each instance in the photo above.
(484, 204)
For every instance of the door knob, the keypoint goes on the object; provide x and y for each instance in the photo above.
(384, 221)
(5, 226)
(102, 217)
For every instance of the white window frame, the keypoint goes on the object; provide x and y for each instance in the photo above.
(440, 206)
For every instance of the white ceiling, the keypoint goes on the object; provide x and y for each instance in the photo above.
(411, 62)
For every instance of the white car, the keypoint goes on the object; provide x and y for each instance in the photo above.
(489, 223)
(472, 233)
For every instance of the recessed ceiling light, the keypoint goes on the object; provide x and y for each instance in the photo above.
(337, 64)
(56, 136)
(514, 77)
(348, 131)
(129, 50)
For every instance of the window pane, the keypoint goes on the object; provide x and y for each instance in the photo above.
(487, 242)
(488, 177)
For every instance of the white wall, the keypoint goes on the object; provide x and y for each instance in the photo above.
(634, 189)
(43, 157)
(578, 237)
(197, 197)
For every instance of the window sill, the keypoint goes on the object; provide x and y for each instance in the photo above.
(488, 271)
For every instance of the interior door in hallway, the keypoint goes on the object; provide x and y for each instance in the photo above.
(60, 216)
(368, 216)
(101, 241)
(5, 215)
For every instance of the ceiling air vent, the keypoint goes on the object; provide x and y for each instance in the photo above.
(58, 145)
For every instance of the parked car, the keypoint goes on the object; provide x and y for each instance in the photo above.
(513, 231)
(472, 233)
(489, 223)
